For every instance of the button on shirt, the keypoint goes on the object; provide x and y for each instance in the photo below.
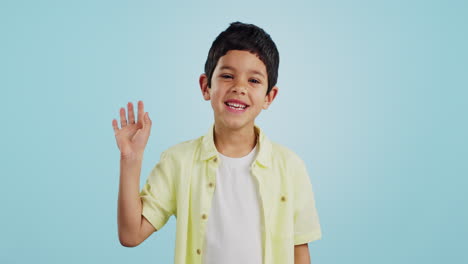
(183, 184)
(234, 231)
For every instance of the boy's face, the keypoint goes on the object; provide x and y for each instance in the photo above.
(239, 75)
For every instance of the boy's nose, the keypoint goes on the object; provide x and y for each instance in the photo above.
(239, 87)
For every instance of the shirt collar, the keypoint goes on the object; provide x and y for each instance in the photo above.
(209, 151)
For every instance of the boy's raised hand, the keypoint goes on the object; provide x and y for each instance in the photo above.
(133, 135)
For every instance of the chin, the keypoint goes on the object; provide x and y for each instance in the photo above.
(237, 125)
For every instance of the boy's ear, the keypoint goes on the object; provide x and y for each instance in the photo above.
(203, 80)
(270, 97)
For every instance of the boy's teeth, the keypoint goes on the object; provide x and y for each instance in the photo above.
(237, 105)
(237, 108)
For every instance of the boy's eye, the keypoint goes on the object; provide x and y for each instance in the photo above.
(226, 76)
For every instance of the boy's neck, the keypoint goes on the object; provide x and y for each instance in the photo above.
(234, 143)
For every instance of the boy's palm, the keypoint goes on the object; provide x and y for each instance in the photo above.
(133, 135)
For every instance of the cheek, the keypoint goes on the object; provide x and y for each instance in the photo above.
(216, 98)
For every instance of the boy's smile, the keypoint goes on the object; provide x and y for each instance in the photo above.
(238, 90)
(236, 106)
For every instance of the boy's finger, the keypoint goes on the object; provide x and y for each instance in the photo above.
(146, 122)
(141, 112)
(123, 119)
(131, 115)
(149, 119)
(114, 126)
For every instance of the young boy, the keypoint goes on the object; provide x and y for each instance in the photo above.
(237, 196)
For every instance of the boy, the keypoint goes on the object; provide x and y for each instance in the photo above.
(237, 196)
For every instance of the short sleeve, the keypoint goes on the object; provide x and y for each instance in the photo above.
(306, 220)
(157, 195)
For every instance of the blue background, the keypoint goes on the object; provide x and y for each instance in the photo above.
(372, 96)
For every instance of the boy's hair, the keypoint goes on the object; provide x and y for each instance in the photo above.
(241, 36)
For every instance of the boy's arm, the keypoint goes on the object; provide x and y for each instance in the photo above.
(133, 227)
(301, 254)
(131, 139)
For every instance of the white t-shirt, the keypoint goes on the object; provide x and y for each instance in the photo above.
(234, 228)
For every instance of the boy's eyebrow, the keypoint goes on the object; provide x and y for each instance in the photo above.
(232, 68)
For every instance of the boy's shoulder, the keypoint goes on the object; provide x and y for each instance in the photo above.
(183, 148)
(282, 152)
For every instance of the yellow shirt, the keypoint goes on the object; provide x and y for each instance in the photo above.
(183, 181)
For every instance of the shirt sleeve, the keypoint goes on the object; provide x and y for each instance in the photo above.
(157, 195)
(306, 220)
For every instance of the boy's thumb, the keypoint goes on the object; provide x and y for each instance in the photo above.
(147, 118)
